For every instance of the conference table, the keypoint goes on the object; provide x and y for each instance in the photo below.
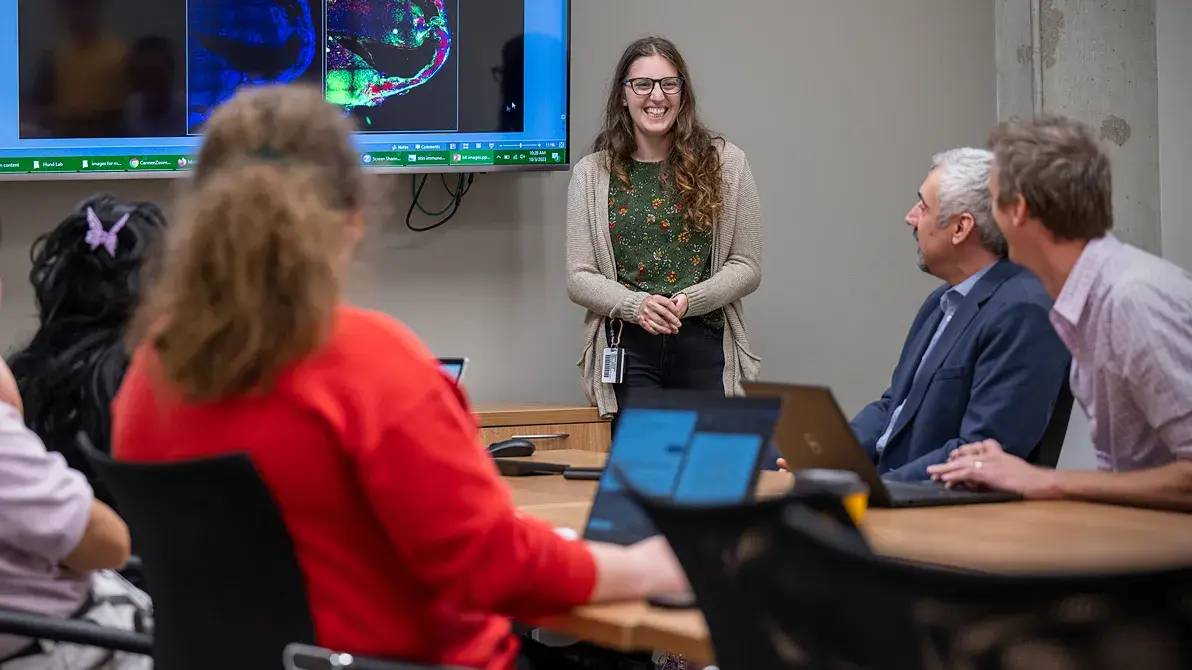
(1018, 537)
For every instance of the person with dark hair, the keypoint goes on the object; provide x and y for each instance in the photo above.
(1126, 316)
(664, 238)
(87, 282)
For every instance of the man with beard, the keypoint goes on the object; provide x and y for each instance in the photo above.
(981, 360)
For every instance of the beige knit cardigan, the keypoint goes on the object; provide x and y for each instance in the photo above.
(592, 272)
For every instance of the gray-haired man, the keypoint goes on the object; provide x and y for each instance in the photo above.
(981, 360)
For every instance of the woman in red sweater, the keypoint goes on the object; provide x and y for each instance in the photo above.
(409, 540)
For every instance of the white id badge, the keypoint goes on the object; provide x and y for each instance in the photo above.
(613, 369)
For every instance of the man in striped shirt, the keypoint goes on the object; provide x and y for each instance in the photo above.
(1125, 315)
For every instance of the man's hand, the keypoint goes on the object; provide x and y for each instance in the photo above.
(681, 305)
(983, 465)
(782, 465)
(658, 316)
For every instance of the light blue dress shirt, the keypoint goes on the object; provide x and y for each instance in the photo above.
(949, 302)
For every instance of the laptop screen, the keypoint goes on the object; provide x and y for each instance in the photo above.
(683, 447)
(453, 368)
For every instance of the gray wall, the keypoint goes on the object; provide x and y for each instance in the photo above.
(839, 106)
(1174, 23)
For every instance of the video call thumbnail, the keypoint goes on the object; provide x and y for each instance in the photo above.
(157, 68)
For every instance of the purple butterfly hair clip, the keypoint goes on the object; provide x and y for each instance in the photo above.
(97, 236)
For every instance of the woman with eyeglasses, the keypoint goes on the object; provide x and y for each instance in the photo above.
(663, 239)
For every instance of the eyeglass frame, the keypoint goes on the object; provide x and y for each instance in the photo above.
(655, 83)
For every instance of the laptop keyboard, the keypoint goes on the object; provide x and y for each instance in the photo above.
(923, 491)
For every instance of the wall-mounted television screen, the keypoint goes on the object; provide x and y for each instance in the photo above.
(121, 88)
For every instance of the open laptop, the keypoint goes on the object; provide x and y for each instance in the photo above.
(454, 368)
(814, 433)
(682, 446)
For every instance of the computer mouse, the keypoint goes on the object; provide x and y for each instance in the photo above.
(511, 449)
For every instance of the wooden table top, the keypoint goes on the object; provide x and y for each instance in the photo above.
(1018, 537)
(528, 414)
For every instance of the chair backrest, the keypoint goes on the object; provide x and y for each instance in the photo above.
(733, 565)
(791, 588)
(1047, 453)
(218, 561)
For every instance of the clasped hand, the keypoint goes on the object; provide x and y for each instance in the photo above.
(660, 315)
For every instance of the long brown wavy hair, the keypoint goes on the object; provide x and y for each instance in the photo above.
(251, 275)
(694, 159)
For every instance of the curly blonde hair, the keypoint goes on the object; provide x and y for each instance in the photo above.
(694, 160)
(251, 275)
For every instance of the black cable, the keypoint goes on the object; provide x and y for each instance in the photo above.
(416, 187)
(452, 207)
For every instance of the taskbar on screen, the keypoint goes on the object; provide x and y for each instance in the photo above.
(479, 158)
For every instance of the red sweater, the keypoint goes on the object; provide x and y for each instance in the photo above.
(407, 536)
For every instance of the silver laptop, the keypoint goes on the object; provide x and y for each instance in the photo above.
(814, 433)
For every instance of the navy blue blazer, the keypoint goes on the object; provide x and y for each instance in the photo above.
(996, 372)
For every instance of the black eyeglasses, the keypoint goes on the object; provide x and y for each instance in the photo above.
(645, 85)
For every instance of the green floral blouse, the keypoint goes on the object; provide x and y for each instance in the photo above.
(653, 250)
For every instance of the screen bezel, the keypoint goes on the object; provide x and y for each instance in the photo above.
(684, 400)
(388, 170)
(462, 362)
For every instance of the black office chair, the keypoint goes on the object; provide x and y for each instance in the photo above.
(789, 583)
(218, 561)
(1047, 453)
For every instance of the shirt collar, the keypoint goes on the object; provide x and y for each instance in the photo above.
(955, 295)
(1074, 296)
(964, 287)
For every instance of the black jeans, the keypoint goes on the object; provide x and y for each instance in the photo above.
(692, 359)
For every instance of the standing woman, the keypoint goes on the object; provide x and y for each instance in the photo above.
(663, 238)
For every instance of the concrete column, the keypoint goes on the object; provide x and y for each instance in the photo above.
(1174, 23)
(1095, 61)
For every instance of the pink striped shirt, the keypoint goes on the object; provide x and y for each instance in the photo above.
(1126, 316)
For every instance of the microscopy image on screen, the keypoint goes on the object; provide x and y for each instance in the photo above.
(85, 70)
(249, 42)
(392, 63)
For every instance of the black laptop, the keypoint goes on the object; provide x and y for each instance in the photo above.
(814, 433)
(681, 446)
(454, 368)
